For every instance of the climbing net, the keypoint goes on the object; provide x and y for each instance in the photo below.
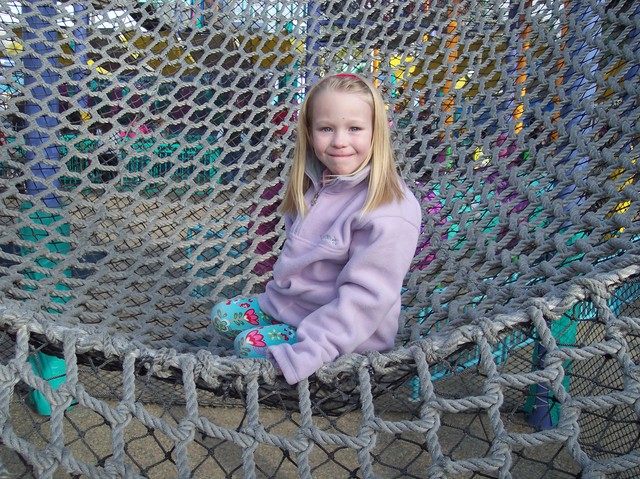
(143, 148)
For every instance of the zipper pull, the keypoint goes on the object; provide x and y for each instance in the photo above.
(314, 200)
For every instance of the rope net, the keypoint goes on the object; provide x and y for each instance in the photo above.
(143, 148)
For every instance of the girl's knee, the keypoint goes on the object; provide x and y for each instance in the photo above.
(219, 309)
(221, 319)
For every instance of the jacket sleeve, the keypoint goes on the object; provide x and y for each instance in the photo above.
(368, 289)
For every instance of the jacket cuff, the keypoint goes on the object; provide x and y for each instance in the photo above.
(279, 353)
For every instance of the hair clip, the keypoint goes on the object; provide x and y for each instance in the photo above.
(347, 75)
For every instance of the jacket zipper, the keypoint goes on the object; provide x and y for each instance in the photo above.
(297, 226)
(314, 200)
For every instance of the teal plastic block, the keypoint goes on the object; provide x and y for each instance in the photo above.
(52, 369)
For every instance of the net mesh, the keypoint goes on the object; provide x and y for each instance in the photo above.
(143, 150)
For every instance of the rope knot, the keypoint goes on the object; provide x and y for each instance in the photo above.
(488, 329)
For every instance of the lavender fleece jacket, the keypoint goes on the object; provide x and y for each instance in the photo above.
(339, 276)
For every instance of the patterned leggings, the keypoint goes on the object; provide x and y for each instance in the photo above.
(252, 331)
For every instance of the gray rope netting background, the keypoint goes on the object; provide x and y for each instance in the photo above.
(143, 151)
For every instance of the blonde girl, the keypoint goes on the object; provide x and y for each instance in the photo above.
(352, 228)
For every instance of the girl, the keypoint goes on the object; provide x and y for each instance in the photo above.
(352, 228)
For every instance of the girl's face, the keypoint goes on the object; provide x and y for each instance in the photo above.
(341, 130)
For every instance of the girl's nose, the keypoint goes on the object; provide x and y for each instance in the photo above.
(339, 138)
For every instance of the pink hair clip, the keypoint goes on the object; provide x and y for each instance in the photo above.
(347, 75)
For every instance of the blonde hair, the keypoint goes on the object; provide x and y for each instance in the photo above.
(384, 183)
